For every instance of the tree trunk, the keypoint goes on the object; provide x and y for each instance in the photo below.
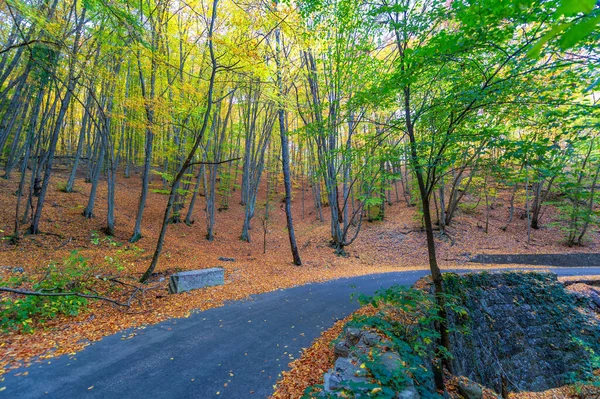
(149, 107)
(29, 142)
(15, 153)
(192, 154)
(285, 153)
(189, 218)
(88, 212)
(436, 273)
(82, 135)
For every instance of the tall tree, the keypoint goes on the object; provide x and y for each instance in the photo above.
(204, 122)
(285, 150)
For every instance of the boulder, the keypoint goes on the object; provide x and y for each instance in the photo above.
(353, 335)
(409, 393)
(469, 389)
(391, 361)
(587, 292)
(371, 338)
(341, 349)
(344, 372)
(187, 281)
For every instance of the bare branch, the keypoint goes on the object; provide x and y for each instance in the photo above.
(78, 294)
(28, 43)
(214, 163)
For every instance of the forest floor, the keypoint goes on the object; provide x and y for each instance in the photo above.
(397, 243)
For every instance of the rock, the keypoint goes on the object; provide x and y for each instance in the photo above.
(187, 281)
(410, 393)
(224, 259)
(588, 292)
(370, 338)
(160, 280)
(326, 381)
(391, 361)
(469, 389)
(344, 372)
(18, 270)
(334, 381)
(347, 368)
(353, 335)
(341, 349)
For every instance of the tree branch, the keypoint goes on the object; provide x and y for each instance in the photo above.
(27, 43)
(38, 293)
(214, 163)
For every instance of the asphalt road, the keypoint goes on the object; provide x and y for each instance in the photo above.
(236, 351)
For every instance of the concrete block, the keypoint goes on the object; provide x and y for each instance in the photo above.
(194, 279)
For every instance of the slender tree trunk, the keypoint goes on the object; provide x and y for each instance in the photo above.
(590, 207)
(111, 159)
(189, 218)
(149, 107)
(192, 154)
(137, 230)
(110, 197)
(80, 143)
(436, 273)
(210, 201)
(15, 153)
(285, 154)
(88, 212)
(14, 108)
(527, 208)
(28, 148)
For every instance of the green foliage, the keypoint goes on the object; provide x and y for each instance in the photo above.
(62, 187)
(374, 206)
(573, 7)
(118, 260)
(573, 216)
(120, 15)
(110, 241)
(24, 313)
(45, 57)
(577, 20)
(407, 319)
(577, 185)
(161, 192)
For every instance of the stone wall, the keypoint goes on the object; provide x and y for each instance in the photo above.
(523, 331)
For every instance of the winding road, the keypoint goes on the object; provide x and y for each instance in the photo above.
(236, 351)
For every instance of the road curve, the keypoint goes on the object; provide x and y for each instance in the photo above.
(236, 351)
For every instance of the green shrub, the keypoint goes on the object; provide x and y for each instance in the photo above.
(23, 313)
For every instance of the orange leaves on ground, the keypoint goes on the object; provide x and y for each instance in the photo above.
(314, 363)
